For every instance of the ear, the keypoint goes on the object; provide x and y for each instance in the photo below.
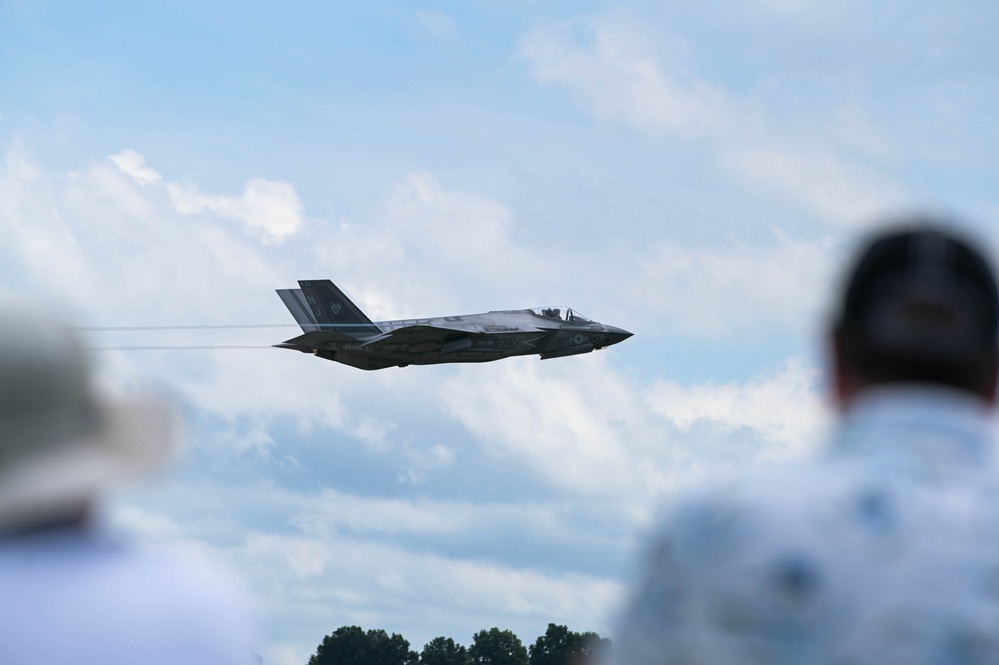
(846, 382)
(990, 392)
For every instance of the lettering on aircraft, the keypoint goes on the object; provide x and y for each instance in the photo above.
(409, 322)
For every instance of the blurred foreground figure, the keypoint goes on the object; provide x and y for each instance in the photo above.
(67, 593)
(883, 550)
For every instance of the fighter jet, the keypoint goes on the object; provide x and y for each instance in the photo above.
(336, 329)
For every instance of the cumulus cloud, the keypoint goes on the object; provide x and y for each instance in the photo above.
(622, 83)
(574, 426)
(423, 462)
(818, 179)
(371, 559)
(608, 64)
(85, 234)
(458, 226)
(37, 237)
(133, 165)
(349, 561)
(108, 245)
(784, 407)
(123, 244)
(714, 289)
(374, 585)
(267, 209)
(117, 223)
(589, 431)
(420, 236)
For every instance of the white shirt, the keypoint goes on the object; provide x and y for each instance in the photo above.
(883, 550)
(77, 598)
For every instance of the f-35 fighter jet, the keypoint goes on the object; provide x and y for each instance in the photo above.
(334, 328)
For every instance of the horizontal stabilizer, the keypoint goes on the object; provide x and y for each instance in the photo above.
(293, 347)
(318, 339)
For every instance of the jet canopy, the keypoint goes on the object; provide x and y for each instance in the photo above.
(564, 314)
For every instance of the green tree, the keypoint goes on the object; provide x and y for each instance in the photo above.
(350, 645)
(497, 647)
(385, 649)
(593, 647)
(347, 645)
(444, 651)
(561, 646)
(558, 646)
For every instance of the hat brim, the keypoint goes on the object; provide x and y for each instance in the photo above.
(136, 437)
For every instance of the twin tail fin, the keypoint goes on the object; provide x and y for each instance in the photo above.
(320, 306)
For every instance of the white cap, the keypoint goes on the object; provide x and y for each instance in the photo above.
(60, 441)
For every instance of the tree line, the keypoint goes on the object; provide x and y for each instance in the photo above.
(352, 645)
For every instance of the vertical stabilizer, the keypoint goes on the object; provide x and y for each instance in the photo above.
(330, 309)
(295, 301)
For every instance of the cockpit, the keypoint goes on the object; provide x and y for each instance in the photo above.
(564, 314)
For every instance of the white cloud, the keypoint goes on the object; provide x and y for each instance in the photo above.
(716, 289)
(422, 462)
(459, 227)
(623, 83)
(350, 562)
(571, 423)
(455, 596)
(609, 64)
(111, 242)
(818, 180)
(82, 236)
(438, 23)
(586, 430)
(498, 494)
(784, 408)
(339, 581)
(37, 237)
(267, 209)
(419, 238)
(133, 165)
(576, 422)
(332, 511)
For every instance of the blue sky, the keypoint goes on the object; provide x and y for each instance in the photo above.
(693, 172)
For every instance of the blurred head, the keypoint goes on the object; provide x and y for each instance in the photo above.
(61, 441)
(920, 306)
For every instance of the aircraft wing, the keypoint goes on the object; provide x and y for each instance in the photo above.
(417, 335)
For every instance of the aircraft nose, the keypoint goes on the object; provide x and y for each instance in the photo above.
(614, 335)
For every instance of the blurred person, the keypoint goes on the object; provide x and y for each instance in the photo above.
(883, 549)
(68, 592)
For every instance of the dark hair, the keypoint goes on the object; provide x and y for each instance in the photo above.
(921, 305)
